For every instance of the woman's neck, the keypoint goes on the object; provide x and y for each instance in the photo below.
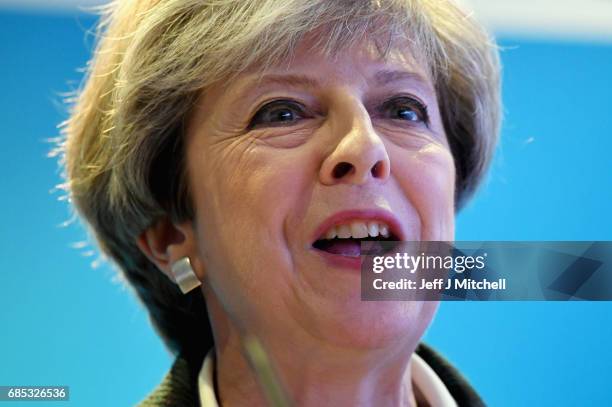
(318, 374)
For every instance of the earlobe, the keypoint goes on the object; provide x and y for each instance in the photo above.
(167, 245)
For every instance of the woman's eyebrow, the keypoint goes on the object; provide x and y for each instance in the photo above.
(385, 77)
(255, 85)
(287, 80)
(381, 78)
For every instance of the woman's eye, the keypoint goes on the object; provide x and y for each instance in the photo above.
(407, 109)
(278, 112)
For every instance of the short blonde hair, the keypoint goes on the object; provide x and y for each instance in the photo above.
(123, 146)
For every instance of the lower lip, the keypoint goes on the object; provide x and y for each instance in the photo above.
(340, 261)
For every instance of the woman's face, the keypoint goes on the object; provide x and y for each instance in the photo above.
(350, 147)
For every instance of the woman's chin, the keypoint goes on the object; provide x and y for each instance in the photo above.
(375, 325)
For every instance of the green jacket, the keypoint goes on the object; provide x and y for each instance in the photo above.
(179, 388)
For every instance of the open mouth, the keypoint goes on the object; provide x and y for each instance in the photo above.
(345, 239)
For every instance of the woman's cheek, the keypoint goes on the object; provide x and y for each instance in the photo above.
(259, 187)
(427, 177)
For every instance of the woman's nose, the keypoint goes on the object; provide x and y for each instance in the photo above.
(359, 156)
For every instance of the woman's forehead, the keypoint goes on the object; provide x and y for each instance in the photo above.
(312, 68)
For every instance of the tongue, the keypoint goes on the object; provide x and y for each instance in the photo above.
(344, 247)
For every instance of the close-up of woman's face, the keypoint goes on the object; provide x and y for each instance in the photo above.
(306, 202)
(288, 173)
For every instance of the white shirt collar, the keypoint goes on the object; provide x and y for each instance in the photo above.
(423, 377)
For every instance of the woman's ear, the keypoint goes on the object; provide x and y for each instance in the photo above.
(165, 243)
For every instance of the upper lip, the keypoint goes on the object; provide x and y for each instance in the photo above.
(381, 215)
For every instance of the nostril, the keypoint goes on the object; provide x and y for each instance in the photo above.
(377, 170)
(341, 169)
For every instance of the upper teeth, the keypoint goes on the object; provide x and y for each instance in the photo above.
(358, 230)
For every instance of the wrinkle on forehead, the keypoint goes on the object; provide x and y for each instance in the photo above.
(399, 52)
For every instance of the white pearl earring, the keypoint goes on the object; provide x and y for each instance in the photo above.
(184, 275)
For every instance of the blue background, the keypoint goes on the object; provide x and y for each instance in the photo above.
(66, 323)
